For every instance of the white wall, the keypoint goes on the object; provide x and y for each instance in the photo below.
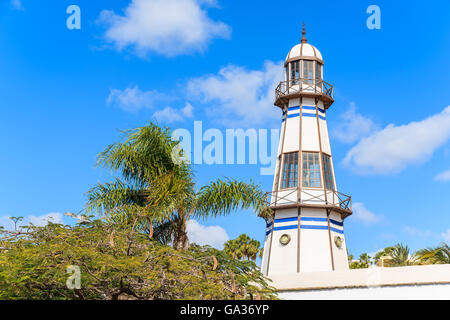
(416, 292)
(315, 252)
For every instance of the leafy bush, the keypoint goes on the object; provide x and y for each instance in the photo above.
(119, 263)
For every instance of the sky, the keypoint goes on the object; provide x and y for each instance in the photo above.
(66, 92)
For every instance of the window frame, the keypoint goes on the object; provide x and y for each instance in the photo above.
(318, 71)
(328, 175)
(306, 78)
(294, 72)
(289, 170)
(316, 171)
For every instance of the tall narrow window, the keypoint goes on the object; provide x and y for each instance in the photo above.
(327, 172)
(308, 71)
(318, 72)
(290, 169)
(311, 170)
(295, 72)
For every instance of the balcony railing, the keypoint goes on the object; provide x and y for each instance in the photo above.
(297, 86)
(310, 198)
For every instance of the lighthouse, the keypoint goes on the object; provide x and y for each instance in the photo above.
(306, 231)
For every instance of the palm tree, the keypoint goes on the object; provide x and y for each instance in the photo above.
(243, 247)
(437, 255)
(400, 256)
(156, 193)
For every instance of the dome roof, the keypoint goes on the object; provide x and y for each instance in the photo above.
(304, 50)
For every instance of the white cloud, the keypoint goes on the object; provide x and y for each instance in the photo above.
(353, 126)
(42, 220)
(238, 96)
(417, 232)
(443, 176)
(214, 236)
(393, 148)
(170, 115)
(188, 110)
(446, 235)
(132, 99)
(360, 213)
(167, 27)
(17, 5)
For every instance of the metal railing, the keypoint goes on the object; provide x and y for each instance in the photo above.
(290, 197)
(304, 85)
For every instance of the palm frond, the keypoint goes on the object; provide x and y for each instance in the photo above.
(221, 197)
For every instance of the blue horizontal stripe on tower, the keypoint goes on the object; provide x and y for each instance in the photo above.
(312, 115)
(305, 226)
(337, 230)
(312, 219)
(313, 108)
(337, 222)
(286, 219)
(285, 227)
(322, 220)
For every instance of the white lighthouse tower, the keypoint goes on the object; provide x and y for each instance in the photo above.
(306, 233)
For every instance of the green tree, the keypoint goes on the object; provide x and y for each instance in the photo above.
(400, 255)
(386, 252)
(156, 191)
(437, 255)
(363, 262)
(16, 220)
(116, 262)
(243, 247)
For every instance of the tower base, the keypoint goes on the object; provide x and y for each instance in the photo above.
(304, 239)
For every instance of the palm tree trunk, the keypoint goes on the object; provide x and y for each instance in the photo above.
(180, 239)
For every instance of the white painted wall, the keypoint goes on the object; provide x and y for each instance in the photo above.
(409, 292)
(315, 252)
(283, 258)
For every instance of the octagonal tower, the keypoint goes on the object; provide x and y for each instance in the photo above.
(306, 232)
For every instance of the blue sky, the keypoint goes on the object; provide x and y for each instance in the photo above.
(65, 93)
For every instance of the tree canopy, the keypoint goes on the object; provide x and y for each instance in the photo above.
(116, 262)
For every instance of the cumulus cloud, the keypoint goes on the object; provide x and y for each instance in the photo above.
(443, 176)
(361, 214)
(446, 235)
(170, 115)
(132, 99)
(166, 27)
(17, 5)
(41, 221)
(214, 236)
(393, 148)
(239, 96)
(353, 126)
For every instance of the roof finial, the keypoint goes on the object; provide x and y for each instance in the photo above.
(303, 33)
